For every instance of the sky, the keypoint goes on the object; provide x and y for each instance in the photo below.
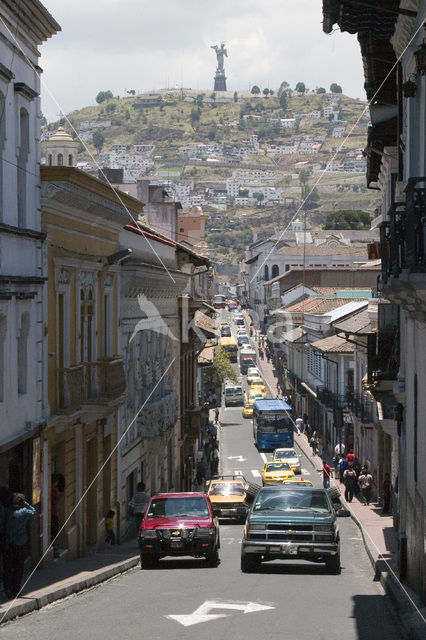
(147, 45)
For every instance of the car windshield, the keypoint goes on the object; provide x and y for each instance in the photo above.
(178, 507)
(230, 488)
(285, 453)
(292, 500)
(277, 466)
(232, 391)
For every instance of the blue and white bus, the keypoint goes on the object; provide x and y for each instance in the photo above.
(272, 425)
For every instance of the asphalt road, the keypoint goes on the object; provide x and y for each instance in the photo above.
(184, 599)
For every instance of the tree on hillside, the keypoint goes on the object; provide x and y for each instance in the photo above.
(348, 219)
(213, 99)
(271, 92)
(131, 92)
(235, 96)
(300, 87)
(283, 101)
(199, 100)
(335, 88)
(265, 92)
(195, 115)
(110, 107)
(255, 90)
(320, 90)
(103, 95)
(98, 140)
(304, 175)
(283, 87)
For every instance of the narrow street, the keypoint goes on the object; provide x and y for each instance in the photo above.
(184, 599)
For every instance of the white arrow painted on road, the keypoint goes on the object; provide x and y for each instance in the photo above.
(239, 458)
(202, 614)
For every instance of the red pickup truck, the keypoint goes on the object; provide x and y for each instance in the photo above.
(179, 524)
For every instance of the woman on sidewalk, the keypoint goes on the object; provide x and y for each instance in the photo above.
(365, 482)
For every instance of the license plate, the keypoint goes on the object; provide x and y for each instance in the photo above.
(176, 544)
(289, 549)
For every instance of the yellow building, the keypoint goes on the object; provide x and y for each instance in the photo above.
(82, 217)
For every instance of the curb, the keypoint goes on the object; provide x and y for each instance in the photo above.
(27, 604)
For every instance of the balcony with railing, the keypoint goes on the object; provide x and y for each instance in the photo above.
(403, 236)
(363, 407)
(98, 382)
(330, 399)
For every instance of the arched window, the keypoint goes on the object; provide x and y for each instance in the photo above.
(23, 353)
(70, 160)
(60, 160)
(275, 271)
(266, 272)
(50, 159)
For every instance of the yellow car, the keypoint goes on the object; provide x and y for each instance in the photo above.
(276, 472)
(253, 395)
(223, 324)
(258, 385)
(248, 410)
(298, 482)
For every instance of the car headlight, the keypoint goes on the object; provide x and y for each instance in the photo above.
(204, 532)
(256, 526)
(149, 533)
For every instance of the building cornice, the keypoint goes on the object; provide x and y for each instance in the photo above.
(19, 231)
(33, 17)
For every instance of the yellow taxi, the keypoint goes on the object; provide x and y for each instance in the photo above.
(258, 385)
(276, 472)
(298, 482)
(248, 410)
(253, 395)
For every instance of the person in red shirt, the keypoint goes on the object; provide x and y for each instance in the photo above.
(350, 457)
(326, 474)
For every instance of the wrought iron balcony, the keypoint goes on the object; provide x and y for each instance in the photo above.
(101, 381)
(403, 236)
(362, 407)
(330, 399)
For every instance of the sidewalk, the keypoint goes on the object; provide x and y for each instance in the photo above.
(377, 530)
(62, 578)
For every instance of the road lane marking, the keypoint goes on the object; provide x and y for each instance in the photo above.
(238, 473)
(202, 614)
(264, 458)
(255, 473)
(305, 472)
(238, 458)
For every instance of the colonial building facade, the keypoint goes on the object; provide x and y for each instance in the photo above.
(23, 317)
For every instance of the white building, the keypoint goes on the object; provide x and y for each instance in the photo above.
(23, 314)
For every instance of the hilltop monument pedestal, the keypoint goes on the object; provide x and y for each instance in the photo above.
(220, 82)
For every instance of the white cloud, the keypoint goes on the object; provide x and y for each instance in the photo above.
(140, 44)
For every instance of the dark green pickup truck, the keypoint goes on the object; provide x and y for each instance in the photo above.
(291, 523)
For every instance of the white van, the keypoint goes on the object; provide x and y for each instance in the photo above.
(234, 395)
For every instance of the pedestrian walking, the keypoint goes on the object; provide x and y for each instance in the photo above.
(350, 457)
(261, 354)
(305, 422)
(350, 481)
(386, 490)
(268, 355)
(109, 527)
(216, 414)
(326, 474)
(16, 539)
(314, 444)
(365, 482)
(299, 425)
(214, 461)
(339, 451)
(139, 503)
(342, 466)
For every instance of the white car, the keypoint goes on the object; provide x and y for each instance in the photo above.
(252, 373)
(290, 456)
